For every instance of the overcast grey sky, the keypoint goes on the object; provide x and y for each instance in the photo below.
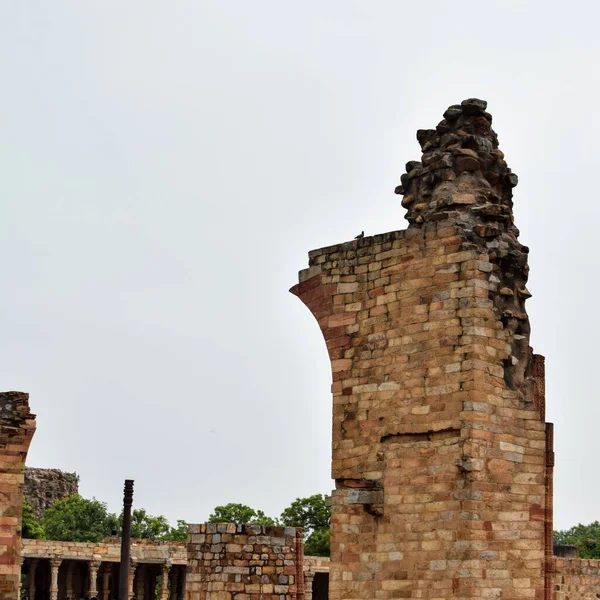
(166, 167)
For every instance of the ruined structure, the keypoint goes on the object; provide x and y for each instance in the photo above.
(56, 570)
(221, 561)
(17, 426)
(245, 562)
(43, 487)
(441, 456)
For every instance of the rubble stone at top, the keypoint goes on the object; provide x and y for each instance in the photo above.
(462, 179)
(462, 170)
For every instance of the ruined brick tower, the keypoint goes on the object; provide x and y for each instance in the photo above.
(17, 426)
(442, 459)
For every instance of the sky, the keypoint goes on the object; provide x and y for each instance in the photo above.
(167, 166)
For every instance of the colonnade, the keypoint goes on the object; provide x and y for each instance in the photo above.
(100, 581)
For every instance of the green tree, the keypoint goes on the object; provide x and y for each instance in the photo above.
(318, 543)
(310, 513)
(585, 537)
(76, 519)
(179, 533)
(313, 515)
(239, 513)
(148, 527)
(31, 528)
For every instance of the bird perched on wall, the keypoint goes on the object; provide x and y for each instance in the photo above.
(360, 236)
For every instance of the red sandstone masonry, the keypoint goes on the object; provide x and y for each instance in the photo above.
(17, 426)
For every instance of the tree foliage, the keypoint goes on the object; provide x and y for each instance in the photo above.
(77, 519)
(31, 528)
(310, 513)
(318, 543)
(239, 513)
(585, 537)
(313, 515)
(150, 527)
(179, 533)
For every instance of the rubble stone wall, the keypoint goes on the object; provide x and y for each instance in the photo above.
(441, 456)
(577, 579)
(17, 426)
(43, 487)
(244, 562)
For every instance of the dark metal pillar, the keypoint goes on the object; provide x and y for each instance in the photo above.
(125, 540)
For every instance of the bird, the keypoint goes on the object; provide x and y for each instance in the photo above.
(360, 236)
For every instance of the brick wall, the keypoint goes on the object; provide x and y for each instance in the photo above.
(577, 579)
(440, 452)
(244, 562)
(17, 426)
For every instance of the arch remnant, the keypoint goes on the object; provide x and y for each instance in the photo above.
(17, 426)
(442, 459)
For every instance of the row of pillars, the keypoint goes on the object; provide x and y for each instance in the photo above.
(168, 573)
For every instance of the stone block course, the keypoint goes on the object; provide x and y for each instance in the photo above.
(576, 579)
(17, 426)
(244, 562)
(437, 397)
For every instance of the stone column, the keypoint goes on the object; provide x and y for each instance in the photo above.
(93, 566)
(309, 577)
(139, 588)
(132, 568)
(31, 578)
(54, 566)
(106, 581)
(20, 561)
(164, 589)
(174, 582)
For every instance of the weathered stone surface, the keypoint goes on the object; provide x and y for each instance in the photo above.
(576, 579)
(444, 420)
(473, 107)
(109, 550)
(17, 426)
(253, 562)
(477, 198)
(43, 487)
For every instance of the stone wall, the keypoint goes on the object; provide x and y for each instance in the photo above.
(244, 562)
(43, 487)
(17, 426)
(441, 456)
(107, 551)
(316, 564)
(577, 579)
